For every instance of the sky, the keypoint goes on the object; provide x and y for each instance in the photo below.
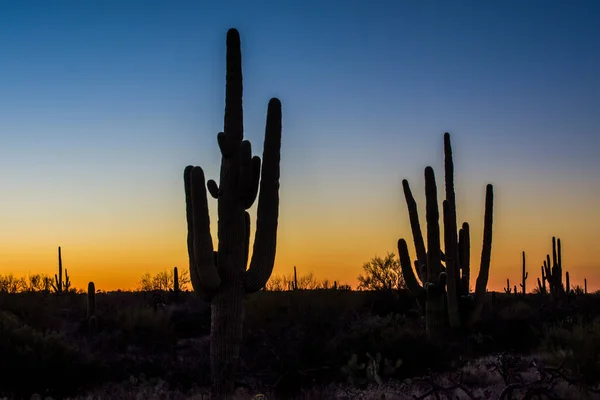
(104, 103)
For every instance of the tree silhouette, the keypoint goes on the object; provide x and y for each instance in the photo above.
(382, 274)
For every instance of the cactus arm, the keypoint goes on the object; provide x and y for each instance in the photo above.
(465, 260)
(415, 226)
(250, 175)
(203, 272)
(450, 239)
(433, 227)
(253, 192)
(407, 269)
(245, 169)
(67, 284)
(247, 238)
(556, 277)
(213, 188)
(486, 254)
(263, 254)
(560, 271)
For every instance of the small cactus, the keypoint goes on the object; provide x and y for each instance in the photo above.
(524, 276)
(91, 300)
(507, 289)
(175, 280)
(295, 283)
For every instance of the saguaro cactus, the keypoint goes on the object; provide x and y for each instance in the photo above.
(524, 276)
(175, 280)
(91, 300)
(91, 308)
(553, 272)
(58, 285)
(295, 283)
(429, 268)
(222, 278)
(507, 289)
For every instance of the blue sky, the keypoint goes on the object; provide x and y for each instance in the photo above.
(103, 103)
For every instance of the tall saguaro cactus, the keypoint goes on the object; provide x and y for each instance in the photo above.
(222, 278)
(456, 273)
(58, 285)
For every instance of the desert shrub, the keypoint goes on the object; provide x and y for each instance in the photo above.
(287, 336)
(579, 347)
(394, 336)
(502, 326)
(146, 327)
(54, 364)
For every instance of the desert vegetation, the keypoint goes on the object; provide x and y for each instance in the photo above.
(227, 328)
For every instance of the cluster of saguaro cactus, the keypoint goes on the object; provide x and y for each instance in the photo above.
(552, 273)
(508, 289)
(224, 279)
(524, 276)
(452, 281)
(58, 285)
(542, 283)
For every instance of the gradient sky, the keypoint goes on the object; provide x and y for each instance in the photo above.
(103, 104)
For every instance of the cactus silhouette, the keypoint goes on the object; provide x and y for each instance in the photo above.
(91, 300)
(553, 272)
(58, 285)
(524, 276)
(507, 289)
(175, 280)
(460, 310)
(222, 278)
(542, 283)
